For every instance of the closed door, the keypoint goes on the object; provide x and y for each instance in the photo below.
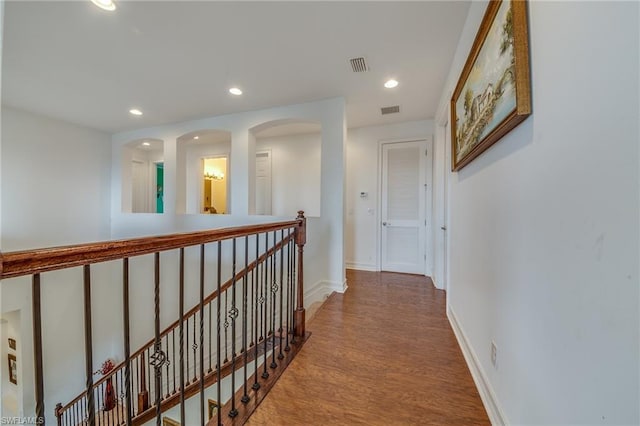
(140, 186)
(263, 182)
(403, 220)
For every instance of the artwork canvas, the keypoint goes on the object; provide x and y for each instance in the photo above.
(13, 369)
(168, 421)
(213, 408)
(493, 93)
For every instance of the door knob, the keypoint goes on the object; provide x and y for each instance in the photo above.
(444, 228)
(384, 223)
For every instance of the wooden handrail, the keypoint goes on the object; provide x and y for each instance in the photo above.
(29, 262)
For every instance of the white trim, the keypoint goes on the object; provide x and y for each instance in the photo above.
(496, 415)
(362, 266)
(320, 290)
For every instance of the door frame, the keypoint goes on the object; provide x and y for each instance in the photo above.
(428, 210)
(441, 207)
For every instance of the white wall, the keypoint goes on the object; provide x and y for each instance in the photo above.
(56, 184)
(544, 228)
(363, 175)
(295, 173)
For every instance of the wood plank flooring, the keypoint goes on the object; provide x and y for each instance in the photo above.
(383, 353)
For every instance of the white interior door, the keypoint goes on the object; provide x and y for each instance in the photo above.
(403, 220)
(140, 187)
(263, 182)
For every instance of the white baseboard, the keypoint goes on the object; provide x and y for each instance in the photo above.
(361, 266)
(496, 415)
(320, 290)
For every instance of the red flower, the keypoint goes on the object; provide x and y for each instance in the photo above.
(107, 366)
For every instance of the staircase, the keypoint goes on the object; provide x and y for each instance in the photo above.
(246, 331)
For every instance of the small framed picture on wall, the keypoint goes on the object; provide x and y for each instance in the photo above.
(13, 369)
(12, 343)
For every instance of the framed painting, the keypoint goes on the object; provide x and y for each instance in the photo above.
(493, 94)
(168, 421)
(213, 408)
(12, 343)
(13, 369)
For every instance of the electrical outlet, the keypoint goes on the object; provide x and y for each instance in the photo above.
(494, 354)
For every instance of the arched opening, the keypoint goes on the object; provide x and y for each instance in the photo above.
(287, 167)
(143, 176)
(204, 175)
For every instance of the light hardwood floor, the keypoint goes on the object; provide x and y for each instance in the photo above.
(383, 353)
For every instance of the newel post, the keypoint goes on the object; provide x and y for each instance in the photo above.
(59, 412)
(301, 239)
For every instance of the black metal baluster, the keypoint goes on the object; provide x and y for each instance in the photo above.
(98, 399)
(274, 290)
(233, 314)
(194, 346)
(254, 303)
(149, 388)
(201, 307)
(265, 373)
(88, 345)
(181, 337)
(218, 366)
(173, 358)
(245, 290)
(210, 339)
(37, 346)
(280, 355)
(137, 385)
(127, 341)
(288, 307)
(293, 293)
(226, 327)
(158, 358)
(168, 364)
(121, 397)
(253, 296)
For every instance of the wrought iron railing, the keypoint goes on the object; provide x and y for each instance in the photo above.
(250, 326)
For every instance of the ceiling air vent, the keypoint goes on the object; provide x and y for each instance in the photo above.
(390, 109)
(358, 65)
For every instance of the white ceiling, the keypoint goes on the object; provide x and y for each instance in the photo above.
(176, 60)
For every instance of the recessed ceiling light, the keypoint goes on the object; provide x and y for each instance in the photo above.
(390, 84)
(196, 137)
(146, 144)
(105, 4)
(135, 111)
(235, 91)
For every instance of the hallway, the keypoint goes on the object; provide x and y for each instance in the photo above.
(383, 353)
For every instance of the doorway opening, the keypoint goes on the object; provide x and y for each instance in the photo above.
(215, 185)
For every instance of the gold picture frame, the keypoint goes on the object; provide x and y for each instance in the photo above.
(13, 369)
(213, 408)
(493, 94)
(167, 421)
